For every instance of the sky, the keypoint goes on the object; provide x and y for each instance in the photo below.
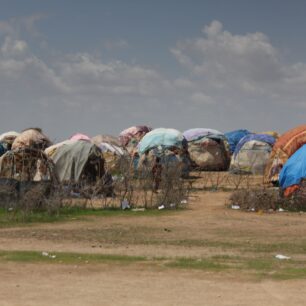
(98, 67)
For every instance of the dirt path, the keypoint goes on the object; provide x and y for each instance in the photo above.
(207, 228)
(45, 285)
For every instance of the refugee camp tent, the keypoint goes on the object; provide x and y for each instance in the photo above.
(50, 151)
(286, 145)
(293, 172)
(271, 133)
(31, 138)
(207, 149)
(8, 138)
(26, 164)
(106, 139)
(168, 146)
(80, 136)
(234, 137)
(161, 138)
(113, 152)
(77, 161)
(129, 138)
(252, 154)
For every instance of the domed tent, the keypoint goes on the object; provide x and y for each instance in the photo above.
(31, 138)
(293, 172)
(286, 145)
(168, 145)
(207, 149)
(234, 137)
(8, 138)
(78, 161)
(252, 154)
(130, 137)
(112, 151)
(26, 164)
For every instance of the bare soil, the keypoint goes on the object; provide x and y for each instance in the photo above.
(207, 228)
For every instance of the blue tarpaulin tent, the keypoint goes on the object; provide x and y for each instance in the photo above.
(234, 137)
(294, 169)
(258, 137)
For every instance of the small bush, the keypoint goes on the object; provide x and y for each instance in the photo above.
(267, 199)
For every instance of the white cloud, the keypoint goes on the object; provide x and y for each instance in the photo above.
(227, 81)
(12, 47)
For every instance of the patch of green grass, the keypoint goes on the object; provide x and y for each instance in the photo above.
(256, 268)
(72, 213)
(67, 258)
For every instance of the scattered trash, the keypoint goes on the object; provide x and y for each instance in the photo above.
(172, 205)
(184, 202)
(48, 255)
(281, 210)
(282, 257)
(138, 209)
(235, 207)
(161, 207)
(125, 204)
(10, 209)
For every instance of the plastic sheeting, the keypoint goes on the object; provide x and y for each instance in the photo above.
(286, 145)
(294, 169)
(254, 137)
(70, 159)
(251, 158)
(106, 139)
(31, 138)
(209, 154)
(234, 137)
(197, 133)
(8, 136)
(163, 138)
(107, 147)
(136, 132)
(80, 136)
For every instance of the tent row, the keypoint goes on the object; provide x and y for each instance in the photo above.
(195, 149)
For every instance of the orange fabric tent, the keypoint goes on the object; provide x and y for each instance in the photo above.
(286, 145)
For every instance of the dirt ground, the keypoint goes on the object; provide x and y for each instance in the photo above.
(206, 229)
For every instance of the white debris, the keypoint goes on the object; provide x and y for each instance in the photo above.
(281, 210)
(138, 209)
(184, 202)
(161, 207)
(282, 257)
(45, 254)
(235, 207)
(125, 204)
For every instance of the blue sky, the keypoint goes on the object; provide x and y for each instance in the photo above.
(100, 66)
